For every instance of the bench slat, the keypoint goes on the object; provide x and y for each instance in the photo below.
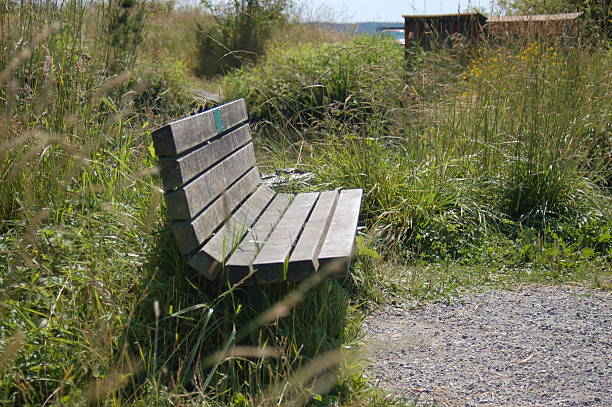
(222, 244)
(238, 264)
(339, 243)
(191, 234)
(181, 135)
(270, 263)
(175, 171)
(186, 202)
(209, 258)
(304, 258)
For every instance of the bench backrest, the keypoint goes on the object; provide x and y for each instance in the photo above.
(207, 166)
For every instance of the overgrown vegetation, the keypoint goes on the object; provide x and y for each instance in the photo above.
(507, 150)
(240, 34)
(297, 87)
(486, 166)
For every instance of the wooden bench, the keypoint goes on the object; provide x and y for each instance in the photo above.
(224, 220)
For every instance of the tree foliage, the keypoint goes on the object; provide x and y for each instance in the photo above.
(125, 21)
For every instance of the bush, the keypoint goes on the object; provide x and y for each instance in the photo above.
(357, 81)
(125, 23)
(596, 17)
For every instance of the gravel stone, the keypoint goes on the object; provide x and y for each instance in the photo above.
(537, 346)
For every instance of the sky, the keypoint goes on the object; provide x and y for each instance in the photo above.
(384, 10)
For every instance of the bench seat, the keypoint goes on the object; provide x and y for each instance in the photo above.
(228, 224)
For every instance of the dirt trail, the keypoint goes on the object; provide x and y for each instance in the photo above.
(538, 346)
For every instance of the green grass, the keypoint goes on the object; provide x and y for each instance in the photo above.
(481, 173)
(502, 148)
(295, 88)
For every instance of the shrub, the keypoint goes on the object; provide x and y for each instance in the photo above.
(294, 87)
(125, 23)
(596, 12)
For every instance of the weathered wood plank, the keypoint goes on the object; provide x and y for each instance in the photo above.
(221, 245)
(304, 258)
(239, 263)
(177, 170)
(338, 247)
(191, 234)
(181, 135)
(186, 202)
(271, 262)
(210, 257)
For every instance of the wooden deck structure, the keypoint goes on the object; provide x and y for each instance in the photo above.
(226, 223)
(558, 25)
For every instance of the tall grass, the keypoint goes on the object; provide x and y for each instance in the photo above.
(294, 88)
(96, 304)
(64, 98)
(539, 107)
(475, 143)
(180, 43)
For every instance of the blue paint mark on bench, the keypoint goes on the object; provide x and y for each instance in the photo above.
(218, 121)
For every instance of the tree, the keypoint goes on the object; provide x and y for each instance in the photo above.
(125, 21)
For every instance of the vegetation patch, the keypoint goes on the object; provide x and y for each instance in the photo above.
(506, 152)
(297, 87)
(480, 167)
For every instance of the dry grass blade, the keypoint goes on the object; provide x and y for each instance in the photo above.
(15, 143)
(14, 344)
(285, 306)
(133, 178)
(114, 381)
(248, 352)
(113, 83)
(44, 140)
(314, 377)
(27, 51)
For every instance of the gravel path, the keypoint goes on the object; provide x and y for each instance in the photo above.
(539, 346)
